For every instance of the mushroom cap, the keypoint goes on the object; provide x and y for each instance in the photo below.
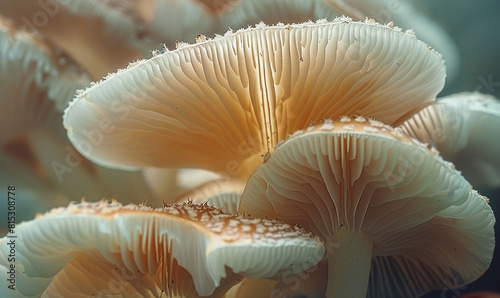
(222, 193)
(169, 183)
(250, 288)
(208, 17)
(249, 12)
(427, 224)
(101, 35)
(409, 16)
(156, 248)
(177, 20)
(222, 104)
(464, 128)
(37, 82)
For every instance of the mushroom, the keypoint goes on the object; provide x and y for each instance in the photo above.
(408, 16)
(169, 183)
(187, 249)
(101, 36)
(461, 126)
(209, 17)
(250, 288)
(222, 104)
(309, 283)
(176, 20)
(38, 81)
(221, 193)
(248, 12)
(397, 220)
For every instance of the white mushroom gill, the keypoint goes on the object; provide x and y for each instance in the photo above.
(221, 193)
(187, 249)
(464, 128)
(222, 104)
(397, 220)
(192, 17)
(100, 35)
(37, 82)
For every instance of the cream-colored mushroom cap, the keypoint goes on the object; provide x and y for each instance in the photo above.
(248, 12)
(180, 250)
(169, 183)
(101, 35)
(397, 220)
(408, 16)
(223, 104)
(181, 20)
(177, 20)
(37, 82)
(464, 127)
(222, 193)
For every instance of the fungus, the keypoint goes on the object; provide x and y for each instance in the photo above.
(397, 220)
(38, 81)
(408, 17)
(460, 127)
(101, 36)
(223, 104)
(215, 17)
(250, 288)
(209, 17)
(169, 184)
(221, 193)
(186, 249)
(174, 20)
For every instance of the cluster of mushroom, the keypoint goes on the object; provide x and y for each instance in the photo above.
(331, 128)
(183, 250)
(71, 42)
(268, 104)
(43, 62)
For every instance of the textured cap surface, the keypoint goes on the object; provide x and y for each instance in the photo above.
(361, 177)
(176, 249)
(224, 103)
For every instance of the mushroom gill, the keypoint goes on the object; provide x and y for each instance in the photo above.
(397, 220)
(187, 250)
(464, 128)
(223, 104)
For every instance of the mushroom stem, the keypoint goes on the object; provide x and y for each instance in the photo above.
(349, 262)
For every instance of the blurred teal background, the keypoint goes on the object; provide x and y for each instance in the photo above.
(475, 28)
